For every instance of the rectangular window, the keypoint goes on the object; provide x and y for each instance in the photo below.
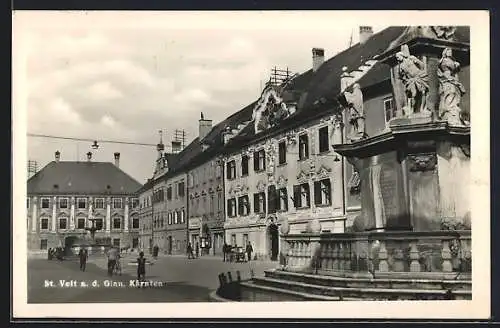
(80, 223)
(82, 203)
(244, 165)
(169, 193)
(323, 139)
(212, 204)
(259, 160)
(231, 207)
(322, 192)
(45, 203)
(303, 147)
(282, 152)
(117, 223)
(283, 199)
(259, 202)
(43, 244)
(183, 215)
(117, 203)
(301, 195)
(44, 224)
(170, 218)
(99, 203)
(135, 202)
(245, 239)
(116, 242)
(231, 170)
(233, 239)
(27, 203)
(181, 188)
(135, 242)
(99, 224)
(63, 203)
(243, 205)
(272, 199)
(135, 223)
(63, 224)
(389, 111)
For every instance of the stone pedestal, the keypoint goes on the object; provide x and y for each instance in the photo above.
(414, 177)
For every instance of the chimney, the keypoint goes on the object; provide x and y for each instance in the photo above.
(117, 159)
(89, 156)
(318, 58)
(176, 146)
(58, 156)
(365, 32)
(205, 127)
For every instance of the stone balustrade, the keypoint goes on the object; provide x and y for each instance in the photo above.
(438, 253)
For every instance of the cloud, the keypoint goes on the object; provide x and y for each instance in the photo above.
(103, 91)
(126, 84)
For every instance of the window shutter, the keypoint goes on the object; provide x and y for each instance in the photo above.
(306, 146)
(271, 195)
(328, 187)
(296, 197)
(308, 194)
(285, 199)
(247, 204)
(263, 196)
(263, 160)
(317, 192)
(256, 207)
(256, 161)
(228, 171)
(229, 207)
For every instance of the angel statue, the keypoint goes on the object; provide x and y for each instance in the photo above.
(354, 98)
(450, 89)
(414, 76)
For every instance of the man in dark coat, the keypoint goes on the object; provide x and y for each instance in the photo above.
(83, 254)
(249, 250)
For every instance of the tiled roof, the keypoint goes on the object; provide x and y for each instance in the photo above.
(67, 177)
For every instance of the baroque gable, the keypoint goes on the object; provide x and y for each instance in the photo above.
(270, 109)
(323, 172)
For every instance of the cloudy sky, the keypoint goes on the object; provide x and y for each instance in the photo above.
(124, 77)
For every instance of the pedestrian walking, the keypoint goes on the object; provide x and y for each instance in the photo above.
(190, 251)
(155, 251)
(49, 254)
(112, 256)
(249, 250)
(197, 248)
(225, 252)
(83, 254)
(141, 267)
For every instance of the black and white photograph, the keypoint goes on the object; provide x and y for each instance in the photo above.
(258, 164)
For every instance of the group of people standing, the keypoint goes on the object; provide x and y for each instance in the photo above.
(57, 252)
(228, 249)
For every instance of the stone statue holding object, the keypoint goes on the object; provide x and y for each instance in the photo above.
(450, 90)
(354, 98)
(413, 74)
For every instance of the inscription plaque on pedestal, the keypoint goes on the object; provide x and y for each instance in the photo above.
(393, 197)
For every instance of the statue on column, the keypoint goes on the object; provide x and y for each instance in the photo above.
(354, 98)
(413, 74)
(450, 89)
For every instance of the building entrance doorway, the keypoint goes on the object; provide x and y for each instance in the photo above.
(273, 241)
(169, 245)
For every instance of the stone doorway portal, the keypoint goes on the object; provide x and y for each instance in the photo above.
(273, 241)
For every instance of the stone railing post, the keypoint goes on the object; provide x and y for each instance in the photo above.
(414, 256)
(446, 256)
(383, 266)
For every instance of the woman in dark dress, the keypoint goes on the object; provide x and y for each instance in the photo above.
(141, 267)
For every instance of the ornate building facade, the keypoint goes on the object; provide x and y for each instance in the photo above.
(66, 198)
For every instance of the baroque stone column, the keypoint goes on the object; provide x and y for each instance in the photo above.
(54, 206)
(338, 198)
(34, 218)
(72, 214)
(125, 224)
(108, 215)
